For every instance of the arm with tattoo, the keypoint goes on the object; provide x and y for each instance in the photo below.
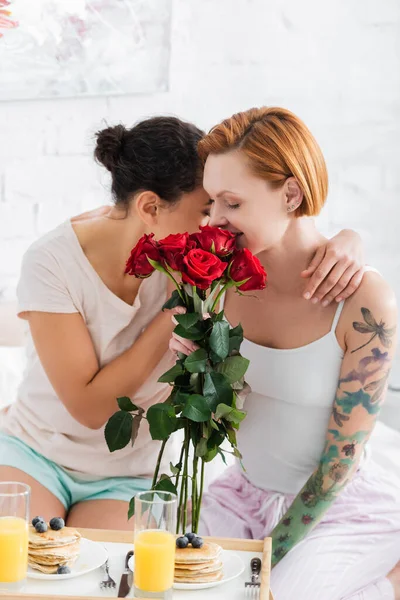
(370, 343)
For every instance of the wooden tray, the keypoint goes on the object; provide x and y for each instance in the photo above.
(126, 537)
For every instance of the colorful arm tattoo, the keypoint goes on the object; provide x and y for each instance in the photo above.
(358, 400)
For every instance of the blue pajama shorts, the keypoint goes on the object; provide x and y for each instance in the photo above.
(68, 490)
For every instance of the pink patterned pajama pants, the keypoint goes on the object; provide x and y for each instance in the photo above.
(346, 557)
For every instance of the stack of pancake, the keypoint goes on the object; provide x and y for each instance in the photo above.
(52, 549)
(198, 565)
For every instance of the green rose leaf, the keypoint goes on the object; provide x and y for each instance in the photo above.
(236, 331)
(118, 430)
(235, 338)
(125, 403)
(162, 421)
(215, 359)
(131, 509)
(173, 301)
(182, 382)
(222, 411)
(197, 361)
(197, 409)
(189, 334)
(222, 455)
(216, 439)
(233, 367)
(219, 339)
(237, 454)
(235, 416)
(217, 390)
(201, 448)
(188, 320)
(234, 344)
(218, 316)
(164, 484)
(137, 419)
(231, 434)
(170, 375)
(175, 468)
(211, 454)
(196, 383)
(178, 398)
(232, 415)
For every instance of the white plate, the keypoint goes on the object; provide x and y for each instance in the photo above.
(92, 555)
(233, 567)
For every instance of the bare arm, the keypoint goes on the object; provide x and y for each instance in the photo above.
(67, 354)
(371, 343)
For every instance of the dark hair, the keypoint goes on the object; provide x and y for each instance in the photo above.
(158, 154)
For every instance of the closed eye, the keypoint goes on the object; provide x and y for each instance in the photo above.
(208, 209)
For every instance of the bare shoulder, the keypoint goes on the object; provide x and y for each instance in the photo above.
(374, 291)
(371, 307)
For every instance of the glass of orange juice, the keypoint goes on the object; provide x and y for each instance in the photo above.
(155, 519)
(14, 515)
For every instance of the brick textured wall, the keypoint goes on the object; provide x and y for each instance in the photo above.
(335, 63)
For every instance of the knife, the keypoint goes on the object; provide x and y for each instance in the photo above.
(124, 586)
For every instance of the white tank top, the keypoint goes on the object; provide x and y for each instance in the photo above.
(292, 392)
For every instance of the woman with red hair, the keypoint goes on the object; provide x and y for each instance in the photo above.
(317, 375)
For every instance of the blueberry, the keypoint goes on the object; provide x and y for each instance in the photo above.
(57, 523)
(190, 537)
(41, 526)
(36, 520)
(182, 542)
(63, 570)
(197, 542)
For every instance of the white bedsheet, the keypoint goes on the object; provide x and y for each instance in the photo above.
(385, 445)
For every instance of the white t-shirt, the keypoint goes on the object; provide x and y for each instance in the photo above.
(57, 277)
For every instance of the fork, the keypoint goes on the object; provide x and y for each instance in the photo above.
(108, 583)
(252, 588)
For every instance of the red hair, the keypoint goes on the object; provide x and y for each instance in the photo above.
(277, 145)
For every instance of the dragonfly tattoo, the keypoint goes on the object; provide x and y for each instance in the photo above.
(373, 328)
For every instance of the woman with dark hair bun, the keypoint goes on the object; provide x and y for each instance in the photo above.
(97, 334)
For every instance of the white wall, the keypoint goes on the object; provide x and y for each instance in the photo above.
(336, 63)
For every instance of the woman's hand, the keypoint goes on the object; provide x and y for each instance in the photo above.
(177, 343)
(337, 269)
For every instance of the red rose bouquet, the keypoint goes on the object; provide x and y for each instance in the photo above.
(204, 385)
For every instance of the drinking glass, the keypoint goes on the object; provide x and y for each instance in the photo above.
(14, 518)
(155, 519)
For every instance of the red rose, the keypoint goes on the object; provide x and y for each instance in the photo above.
(137, 264)
(214, 239)
(201, 268)
(172, 249)
(247, 266)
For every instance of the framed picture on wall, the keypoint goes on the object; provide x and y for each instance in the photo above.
(65, 48)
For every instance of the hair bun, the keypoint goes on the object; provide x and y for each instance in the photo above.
(109, 146)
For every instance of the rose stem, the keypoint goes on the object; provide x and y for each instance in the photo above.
(185, 477)
(160, 454)
(194, 492)
(182, 490)
(200, 497)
